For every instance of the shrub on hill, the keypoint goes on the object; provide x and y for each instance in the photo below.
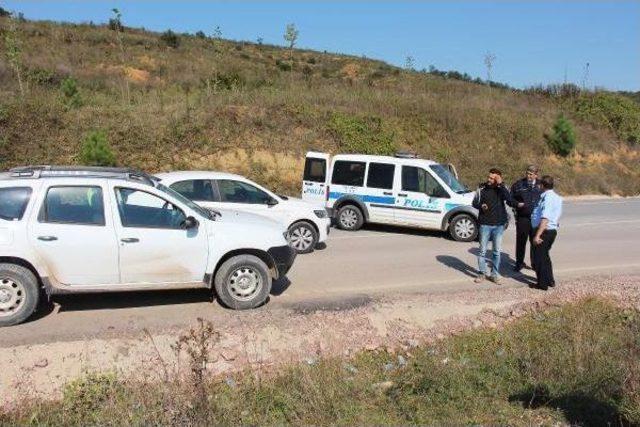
(95, 150)
(563, 139)
(170, 38)
(365, 135)
(619, 113)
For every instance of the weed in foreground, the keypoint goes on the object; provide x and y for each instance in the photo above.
(577, 364)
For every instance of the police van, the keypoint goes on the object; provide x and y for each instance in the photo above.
(398, 190)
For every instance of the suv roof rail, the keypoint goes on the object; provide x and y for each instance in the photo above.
(406, 155)
(49, 171)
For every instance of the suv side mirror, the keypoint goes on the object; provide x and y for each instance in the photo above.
(272, 202)
(189, 223)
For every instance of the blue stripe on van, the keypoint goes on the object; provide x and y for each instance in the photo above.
(365, 198)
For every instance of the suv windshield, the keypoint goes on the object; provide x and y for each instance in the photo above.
(448, 178)
(202, 211)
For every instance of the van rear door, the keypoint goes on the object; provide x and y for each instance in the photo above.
(314, 180)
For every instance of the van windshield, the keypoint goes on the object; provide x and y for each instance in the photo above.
(448, 178)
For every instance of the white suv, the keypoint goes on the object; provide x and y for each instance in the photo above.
(72, 230)
(402, 190)
(307, 223)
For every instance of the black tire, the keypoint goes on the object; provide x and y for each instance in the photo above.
(463, 228)
(230, 293)
(19, 292)
(350, 218)
(303, 237)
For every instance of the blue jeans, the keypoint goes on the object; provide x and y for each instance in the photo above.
(491, 233)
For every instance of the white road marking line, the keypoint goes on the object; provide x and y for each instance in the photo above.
(400, 234)
(619, 202)
(584, 224)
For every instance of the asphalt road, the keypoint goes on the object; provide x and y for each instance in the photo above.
(597, 237)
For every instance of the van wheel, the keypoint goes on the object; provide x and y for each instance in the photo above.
(19, 294)
(350, 218)
(302, 237)
(243, 282)
(463, 228)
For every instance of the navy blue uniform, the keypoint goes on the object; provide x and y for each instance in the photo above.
(528, 193)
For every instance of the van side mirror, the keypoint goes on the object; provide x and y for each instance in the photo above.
(189, 223)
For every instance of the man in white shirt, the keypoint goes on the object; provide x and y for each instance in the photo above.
(545, 221)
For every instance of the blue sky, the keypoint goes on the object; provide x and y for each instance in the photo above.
(534, 41)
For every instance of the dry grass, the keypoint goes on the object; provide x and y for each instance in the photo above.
(577, 364)
(201, 104)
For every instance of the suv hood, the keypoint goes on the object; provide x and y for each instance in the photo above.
(295, 203)
(237, 217)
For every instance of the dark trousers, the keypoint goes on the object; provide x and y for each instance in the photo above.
(523, 233)
(542, 260)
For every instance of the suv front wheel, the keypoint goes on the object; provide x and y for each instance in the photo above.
(302, 237)
(19, 294)
(243, 282)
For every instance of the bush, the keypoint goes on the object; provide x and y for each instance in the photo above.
(170, 38)
(69, 89)
(619, 113)
(201, 35)
(283, 65)
(364, 135)
(85, 396)
(115, 24)
(95, 150)
(563, 139)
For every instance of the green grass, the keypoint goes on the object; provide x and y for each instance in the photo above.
(577, 364)
(165, 108)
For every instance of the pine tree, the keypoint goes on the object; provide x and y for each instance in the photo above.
(95, 150)
(563, 139)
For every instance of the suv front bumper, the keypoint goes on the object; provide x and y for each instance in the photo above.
(283, 257)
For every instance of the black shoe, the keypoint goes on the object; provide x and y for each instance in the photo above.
(518, 267)
(542, 288)
(552, 285)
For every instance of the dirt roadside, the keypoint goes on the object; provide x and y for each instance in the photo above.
(302, 332)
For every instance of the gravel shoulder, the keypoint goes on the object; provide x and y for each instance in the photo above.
(300, 332)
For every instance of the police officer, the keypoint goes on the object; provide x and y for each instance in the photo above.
(526, 194)
(545, 221)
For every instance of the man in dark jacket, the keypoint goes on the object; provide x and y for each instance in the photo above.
(490, 201)
(526, 194)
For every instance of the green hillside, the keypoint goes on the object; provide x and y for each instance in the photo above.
(187, 102)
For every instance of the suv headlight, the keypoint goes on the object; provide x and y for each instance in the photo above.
(321, 213)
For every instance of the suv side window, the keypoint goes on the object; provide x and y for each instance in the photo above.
(420, 181)
(82, 205)
(380, 175)
(140, 209)
(199, 190)
(241, 192)
(348, 173)
(13, 202)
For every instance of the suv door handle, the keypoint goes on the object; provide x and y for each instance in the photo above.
(402, 194)
(47, 238)
(387, 193)
(130, 240)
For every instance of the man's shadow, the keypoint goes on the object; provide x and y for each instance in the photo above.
(506, 266)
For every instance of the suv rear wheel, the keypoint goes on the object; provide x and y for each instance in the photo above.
(19, 294)
(463, 228)
(303, 237)
(350, 218)
(243, 282)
